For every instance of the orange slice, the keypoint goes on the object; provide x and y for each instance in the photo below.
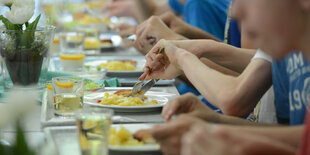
(64, 84)
(72, 56)
(49, 86)
(56, 40)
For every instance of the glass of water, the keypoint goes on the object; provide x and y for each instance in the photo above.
(93, 130)
(68, 95)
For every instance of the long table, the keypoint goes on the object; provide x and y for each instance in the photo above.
(34, 130)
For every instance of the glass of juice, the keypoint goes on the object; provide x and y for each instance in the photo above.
(72, 62)
(50, 99)
(68, 95)
(93, 130)
(72, 51)
(55, 48)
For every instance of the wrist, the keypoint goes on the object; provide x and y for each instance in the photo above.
(204, 48)
(179, 37)
(212, 117)
(174, 36)
(183, 57)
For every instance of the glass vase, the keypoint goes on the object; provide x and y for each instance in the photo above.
(25, 56)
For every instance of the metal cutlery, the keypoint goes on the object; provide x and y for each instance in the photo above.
(141, 86)
(144, 87)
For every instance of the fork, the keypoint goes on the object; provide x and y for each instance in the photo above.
(144, 87)
(140, 86)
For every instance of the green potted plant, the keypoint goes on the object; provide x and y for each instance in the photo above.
(23, 45)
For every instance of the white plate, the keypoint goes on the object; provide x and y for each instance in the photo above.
(55, 65)
(136, 73)
(66, 140)
(48, 118)
(92, 98)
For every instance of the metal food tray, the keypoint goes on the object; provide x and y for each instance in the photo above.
(65, 140)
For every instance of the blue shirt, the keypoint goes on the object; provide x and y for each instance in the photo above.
(291, 82)
(233, 34)
(208, 15)
(176, 6)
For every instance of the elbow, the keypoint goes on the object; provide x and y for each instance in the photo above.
(231, 104)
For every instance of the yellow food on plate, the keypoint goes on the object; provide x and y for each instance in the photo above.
(122, 137)
(91, 43)
(118, 66)
(120, 100)
(96, 4)
(89, 19)
(75, 38)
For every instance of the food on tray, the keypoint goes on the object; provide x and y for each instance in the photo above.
(94, 43)
(91, 43)
(133, 62)
(120, 100)
(85, 13)
(144, 136)
(86, 20)
(106, 42)
(124, 137)
(128, 92)
(72, 62)
(91, 85)
(96, 4)
(118, 66)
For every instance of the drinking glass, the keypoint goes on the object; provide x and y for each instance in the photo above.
(72, 51)
(72, 42)
(68, 95)
(50, 98)
(93, 130)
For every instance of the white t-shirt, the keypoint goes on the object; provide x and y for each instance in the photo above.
(262, 55)
(266, 111)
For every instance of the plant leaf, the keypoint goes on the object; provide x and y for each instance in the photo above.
(21, 146)
(33, 25)
(9, 25)
(28, 37)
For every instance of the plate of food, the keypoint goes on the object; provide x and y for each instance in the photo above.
(132, 137)
(127, 138)
(121, 101)
(110, 41)
(104, 44)
(120, 68)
